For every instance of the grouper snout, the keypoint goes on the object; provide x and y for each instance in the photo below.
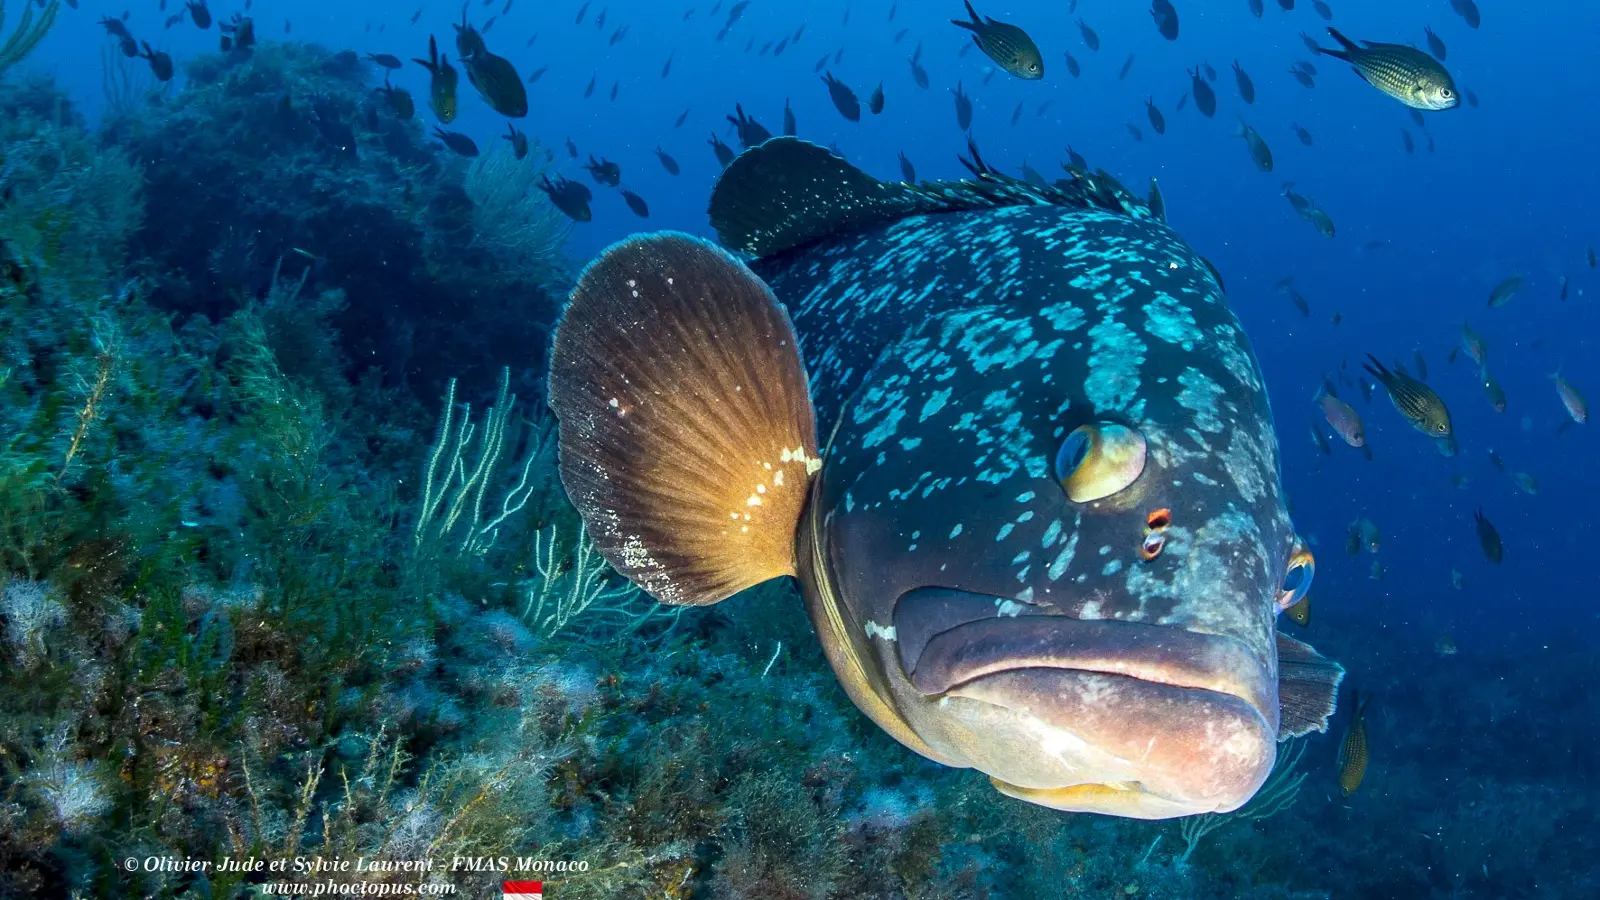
(1132, 719)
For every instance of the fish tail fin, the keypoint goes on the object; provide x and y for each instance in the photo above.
(975, 165)
(1377, 370)
(972, 26)
(432, 62)
(1348, 46)
(1308, 688)
(687, 434)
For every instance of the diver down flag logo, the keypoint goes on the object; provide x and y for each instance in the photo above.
(522, 890)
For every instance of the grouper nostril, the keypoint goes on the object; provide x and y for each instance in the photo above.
(923, 613)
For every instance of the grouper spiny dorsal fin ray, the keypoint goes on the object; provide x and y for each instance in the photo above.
(787, 193)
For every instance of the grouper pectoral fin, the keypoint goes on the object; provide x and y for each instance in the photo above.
(687, 435)
(1308, 688)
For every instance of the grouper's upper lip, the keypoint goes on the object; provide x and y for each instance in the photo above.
(1159, 654)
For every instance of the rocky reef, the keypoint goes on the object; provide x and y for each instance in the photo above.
(293, 154)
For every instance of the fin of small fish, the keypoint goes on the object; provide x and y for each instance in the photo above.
(1308, 688)
(765, 201)
(687, 433)
(1346, 47)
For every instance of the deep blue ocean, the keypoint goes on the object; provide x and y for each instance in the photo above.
(1480, 675)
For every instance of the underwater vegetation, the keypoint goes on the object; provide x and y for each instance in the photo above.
(293, 153)
(28, 32)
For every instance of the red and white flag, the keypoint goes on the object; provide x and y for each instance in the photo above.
(522, 890)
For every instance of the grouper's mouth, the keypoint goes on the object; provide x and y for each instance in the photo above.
(1133, 719)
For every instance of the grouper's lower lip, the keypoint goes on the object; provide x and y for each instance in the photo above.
(1158, 654)
(1088, 742)
(1108, 716)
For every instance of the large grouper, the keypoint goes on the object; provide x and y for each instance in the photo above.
(1043, 534)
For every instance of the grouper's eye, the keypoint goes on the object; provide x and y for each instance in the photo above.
(1096, 461)
(1297, 580)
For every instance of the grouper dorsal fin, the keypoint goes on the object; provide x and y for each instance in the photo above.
(1308, 688)
(786, 193)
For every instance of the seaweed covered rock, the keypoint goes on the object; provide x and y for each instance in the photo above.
(291, 153)
(46, 155)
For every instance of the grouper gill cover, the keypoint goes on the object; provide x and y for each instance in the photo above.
(1046, 537)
